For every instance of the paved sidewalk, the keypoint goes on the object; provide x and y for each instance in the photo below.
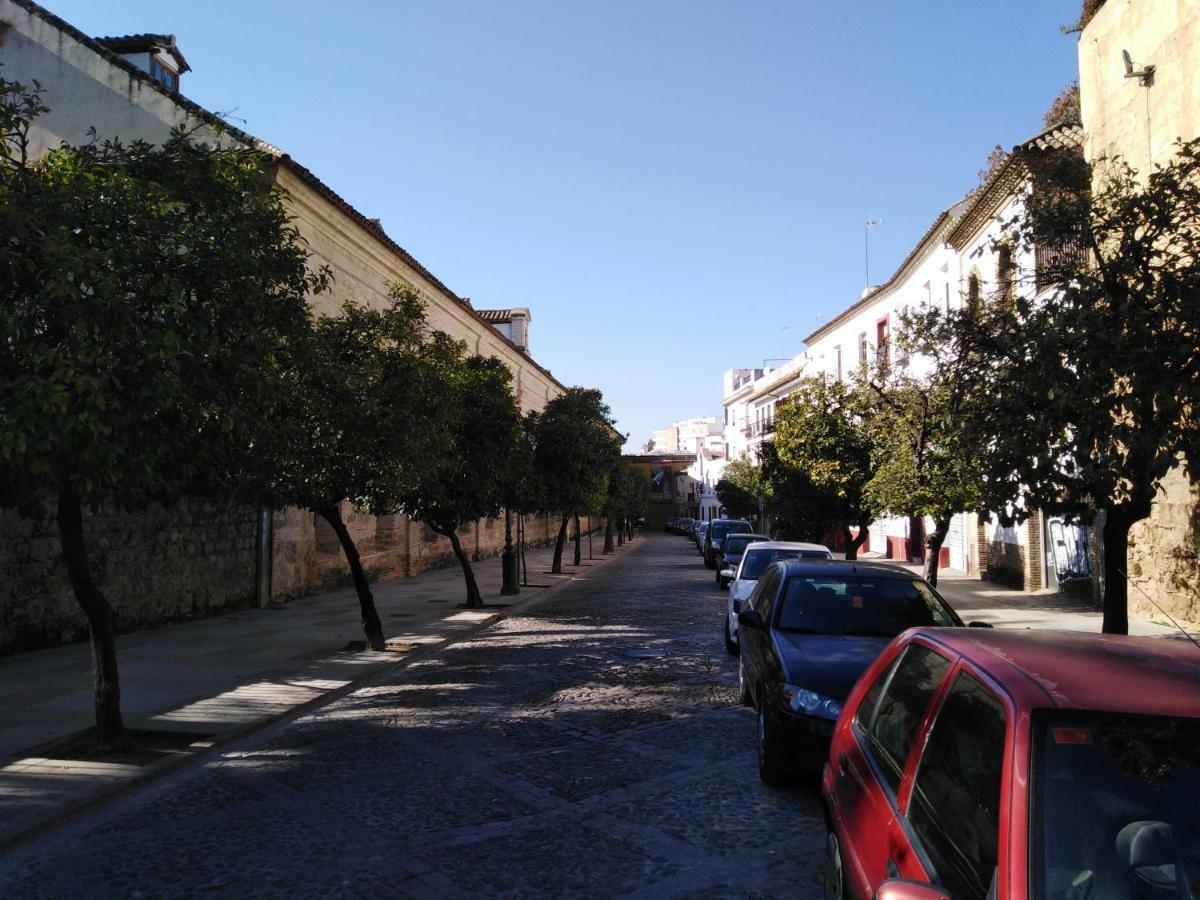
(985, 601)
(220, 677)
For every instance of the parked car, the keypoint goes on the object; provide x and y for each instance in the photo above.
(684, 525)
(808, 631)
(753, 563)
(671, 524)
(730, 554)
(700, 531)
(1014, 764)
(717, 530)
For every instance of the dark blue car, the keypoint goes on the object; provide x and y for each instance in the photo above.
(808, 631)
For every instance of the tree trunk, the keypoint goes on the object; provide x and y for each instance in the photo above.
(106, 683)
(1116, 583)
(853, 543)
(620, 532)
(474, 599)
(558, 547)
(608, 535)
(629, 525)
(933, 548)
(578, 554)
(372, 627)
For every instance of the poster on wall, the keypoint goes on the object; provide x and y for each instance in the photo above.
(660, 481)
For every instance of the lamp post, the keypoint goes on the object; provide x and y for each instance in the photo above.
(508, 559)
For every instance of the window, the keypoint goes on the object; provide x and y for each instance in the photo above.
(881, 345)
(837, 354)
(973, 296)
(763, 597)
(1005, 277)
(862, 350)
(162, 74)
(901, 707)
(955, 806)
(867, 607)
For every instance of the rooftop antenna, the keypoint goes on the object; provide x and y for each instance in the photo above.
(871, 223)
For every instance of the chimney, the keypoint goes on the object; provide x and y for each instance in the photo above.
(520, 328)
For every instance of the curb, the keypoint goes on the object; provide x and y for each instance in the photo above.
(219, 743)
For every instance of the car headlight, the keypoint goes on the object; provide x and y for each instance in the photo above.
(810, 703)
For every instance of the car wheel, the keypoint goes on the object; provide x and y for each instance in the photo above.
(769, 750)
(731, 646)
(835, 876)
(744, 696)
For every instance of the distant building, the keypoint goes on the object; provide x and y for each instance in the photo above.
(689, 435)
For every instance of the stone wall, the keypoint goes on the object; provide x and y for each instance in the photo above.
(197, 560)
(1164, 555)
(155, 566)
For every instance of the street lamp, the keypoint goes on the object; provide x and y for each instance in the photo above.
(508, 559)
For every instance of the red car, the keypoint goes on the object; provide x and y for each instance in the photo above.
(1012, 764)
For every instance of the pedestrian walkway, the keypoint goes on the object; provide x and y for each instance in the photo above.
(985, 601)
(212, 680)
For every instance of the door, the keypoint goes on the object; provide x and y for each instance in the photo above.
(871, 767)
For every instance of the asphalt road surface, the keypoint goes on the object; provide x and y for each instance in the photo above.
(591, 747)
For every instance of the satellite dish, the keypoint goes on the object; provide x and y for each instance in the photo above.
(1128, 63)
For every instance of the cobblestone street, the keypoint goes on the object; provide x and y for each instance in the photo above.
(589, 747)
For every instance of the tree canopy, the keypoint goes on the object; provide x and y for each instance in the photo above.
(822, 448)
(1085, 401)
(150, 297)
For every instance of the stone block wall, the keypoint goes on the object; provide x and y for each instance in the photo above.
(195, 560)
(1164, 555)
(155, 566)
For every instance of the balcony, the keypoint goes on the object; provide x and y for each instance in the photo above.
(1052, 262)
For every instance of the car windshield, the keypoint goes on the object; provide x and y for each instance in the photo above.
(859, 605)
(1119, 810)
(734, 545)
(755, 562)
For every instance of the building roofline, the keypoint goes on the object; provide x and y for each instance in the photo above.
(305, 174)
(1004, 182)
(918, 252)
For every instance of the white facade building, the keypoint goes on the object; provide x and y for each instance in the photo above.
(689, 436)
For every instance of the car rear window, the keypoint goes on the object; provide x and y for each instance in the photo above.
(1116, 809)
(720, 529)
(756, 561)
(735, 544)
(851, 605)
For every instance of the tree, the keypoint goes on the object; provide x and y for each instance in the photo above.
(1083, 403)
(361, 426)
(150, 297)
(480, 462)
(823, 444)
(924, 463)
(743, 489)
(1064, 110)
(575, 444)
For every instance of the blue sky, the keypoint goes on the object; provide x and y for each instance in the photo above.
(667, 185)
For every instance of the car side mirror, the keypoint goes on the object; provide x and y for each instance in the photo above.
(728, 573)
(904, 889)
(979, 624)
(751, 619)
